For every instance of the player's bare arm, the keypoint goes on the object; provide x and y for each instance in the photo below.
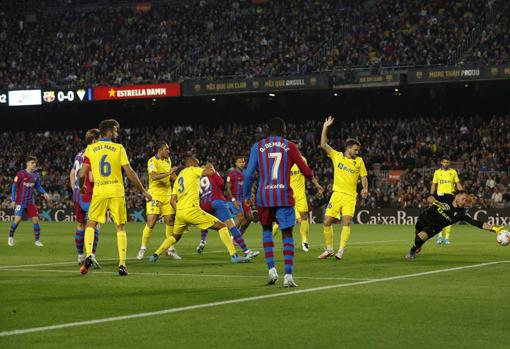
(459, 186)
(433, 188)
(173, 201)
(72, 178)
(364, 185)
(317, 186)
(83, 172)
(324, 135)
(133, 177)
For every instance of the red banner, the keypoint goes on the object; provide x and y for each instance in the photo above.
(110, 93)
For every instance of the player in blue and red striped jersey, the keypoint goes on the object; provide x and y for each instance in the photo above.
(239, 208)
(82, 200)
(23, 200)
(273, 158)
(213, 201)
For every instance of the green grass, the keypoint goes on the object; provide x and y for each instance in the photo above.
(462, 308)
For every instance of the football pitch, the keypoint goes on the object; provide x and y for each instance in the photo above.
(452, 296)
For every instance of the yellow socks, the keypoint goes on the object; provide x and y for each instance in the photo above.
(169, 230)
(275, 229)
(344, 237)
(89, 241)
(225, 238)
(146, 236)
(328, 237)
(169, 242)
(303, 229)
(122, 246)
(447, 230)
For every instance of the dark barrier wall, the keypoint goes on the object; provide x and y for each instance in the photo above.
(362, 215)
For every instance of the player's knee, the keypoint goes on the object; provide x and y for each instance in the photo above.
(304, 216)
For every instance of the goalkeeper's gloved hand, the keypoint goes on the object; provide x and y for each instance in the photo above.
(497, 229)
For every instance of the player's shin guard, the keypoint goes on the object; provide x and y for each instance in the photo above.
(122, 246)
(203, 235)
(12, 229)
(268, 243)
(89, 240)
(447, 230)
(225, 238)
(146, 236)
(37, 232)
(96, 241)
(328, 237)
(303, 229)
(169, 230)
(344, 237)
(78, 240)
(275, 229)
(236, 234)
(288, 254)
(169, 242)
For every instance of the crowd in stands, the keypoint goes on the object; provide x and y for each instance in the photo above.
(494, 44)
(49, 43)
(478, 148)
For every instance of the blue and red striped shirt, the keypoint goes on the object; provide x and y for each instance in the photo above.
(235, 177)
(22, 191)
(211, 189)
(272, 158)
(89, 186)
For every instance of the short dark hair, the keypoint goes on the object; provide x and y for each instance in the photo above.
(276, 126)
(445, 157)
(108, 125)
(92, 134)
(351, 141)
(160, 145)
(31, 158)
(190, 159)
(239, 157)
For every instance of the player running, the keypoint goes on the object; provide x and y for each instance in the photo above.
(348, 167)
(185, 199)
(106, 159)
(212, 201)
(23, 200)
(445, 180)
(444, 210)
(273, 158)
(234, 188)
(298, 185)
(161, 173)
(82, 201)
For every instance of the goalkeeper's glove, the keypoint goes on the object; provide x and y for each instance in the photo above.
(497, 229)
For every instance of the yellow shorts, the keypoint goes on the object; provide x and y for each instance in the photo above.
(160, 206)
(116, 206)
(301, 203)
(194, 216)
(341, 204)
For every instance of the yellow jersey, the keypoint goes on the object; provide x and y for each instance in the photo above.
(159, 187)
(106, 159)
(187, 188)
(297, 181)
(346, 172)
(445, 180)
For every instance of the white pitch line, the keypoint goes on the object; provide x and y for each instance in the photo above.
(50, 264)
(179, 274)
(235, 301)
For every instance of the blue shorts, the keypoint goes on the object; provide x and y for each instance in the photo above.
(284, 216)
(221, 210)
(235, 211)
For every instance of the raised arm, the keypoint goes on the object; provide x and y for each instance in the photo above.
(324, 135)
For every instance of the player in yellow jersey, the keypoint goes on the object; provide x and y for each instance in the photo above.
(161, 173)
(186, 201)
(348, 167)
(106, 159)
(444, 181)
(298, 185)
